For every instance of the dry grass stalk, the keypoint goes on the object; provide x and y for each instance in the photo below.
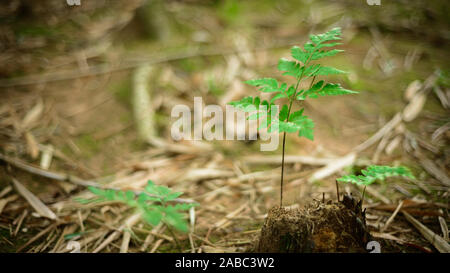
(131, 221)
(380, 133)
(288, 159)
(5, 191)
(32, 199)
(431, 168)
(46, 157)
(381, 146)
(437, 241)
(333, 167)
(37, 236)
(125, 241)
(33, 115)
(444, 227)
(230, 215)
(156, 245)
(3, 203)
(151, 236)
(389, 221)
(32, 145)
(19, 224)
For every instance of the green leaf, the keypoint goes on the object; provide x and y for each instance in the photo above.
(331, 35)
(382, 172)
(150, 188)
(325, 71)
(290, 91)
(173, 196)
(304, 124)
(153, 209)
(311, 92)
(119, 196)
(129, 195)
(267, 85)
(163, 191)
(153, 216)
(288, 127)
(309, 47)
(374, 172)
(267, 115)
(73, 235)
(297, 123)
(292, 68)
(330, 89)
(247, 104)
(110, 195)
(142, 199)
(283, 113)
(256, 116)
(310, 70)
(185, 206)
(320, 54)
(300, 55)
(319, 41)
(96, 191)
(279, 96)
(327, 45)
(357, 179)
(175, 219)
(296, 114)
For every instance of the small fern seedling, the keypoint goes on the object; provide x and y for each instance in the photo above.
(152, 204)
(303, 67)
(374, 173)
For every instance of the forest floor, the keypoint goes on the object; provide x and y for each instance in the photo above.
(84, 126)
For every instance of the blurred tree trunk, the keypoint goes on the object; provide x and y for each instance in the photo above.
(153, 18)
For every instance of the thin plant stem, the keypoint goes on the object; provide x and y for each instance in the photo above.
(177, 243)
(282, 169)
(337, 190)
(291, 100)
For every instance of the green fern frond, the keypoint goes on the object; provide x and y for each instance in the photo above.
(374, 173)
(152, 204)
(300, 68)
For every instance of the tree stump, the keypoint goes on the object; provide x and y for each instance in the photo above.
(319, 227)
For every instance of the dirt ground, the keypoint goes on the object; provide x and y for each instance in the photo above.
(84, 122)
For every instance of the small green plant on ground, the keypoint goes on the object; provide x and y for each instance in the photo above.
(301, 68)
(374, 173)
(152, 204)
